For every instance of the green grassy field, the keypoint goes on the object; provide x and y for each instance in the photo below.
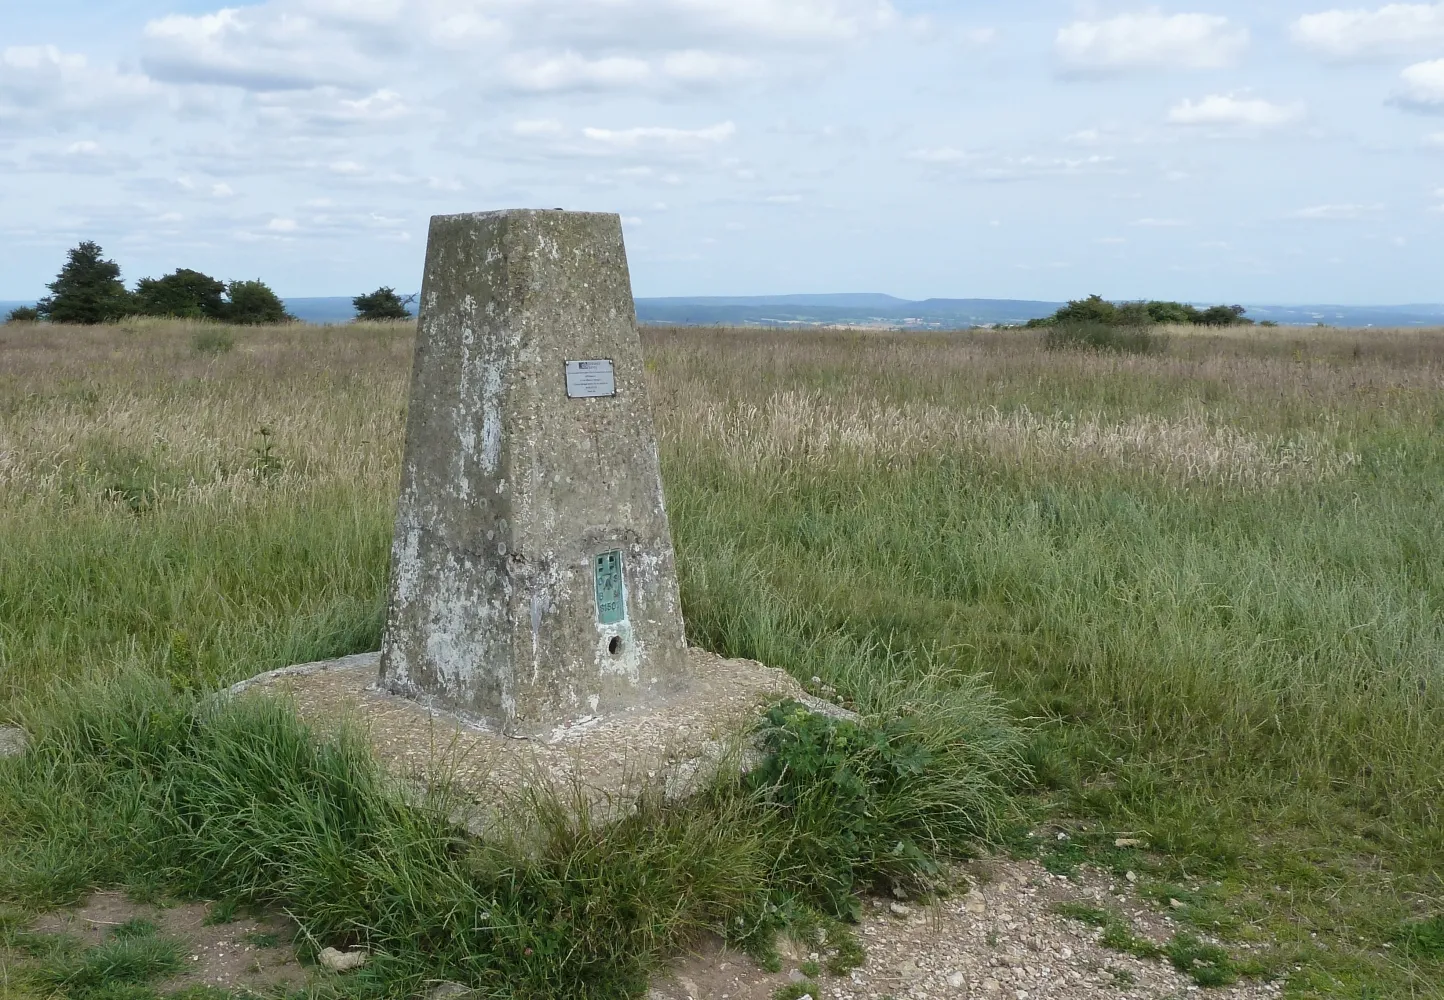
(1205, 585)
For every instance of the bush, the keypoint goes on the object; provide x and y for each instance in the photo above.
(381, 304)
(23, 314)
(212, 340)
(1102, 337)
(253, 303)
(1223, 316)
(1093, 310)
(184, 293)
(88, 290)
(1097, 311)
(1171, 312)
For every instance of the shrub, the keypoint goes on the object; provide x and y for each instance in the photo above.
(1095, 309)
(23, 314)
(381, 304)
(212, 340)
(1223, 316)
(87, 290)
(253, 303)
(1098, 311)
(1171, 312)
(1102, 337)
(184, 293)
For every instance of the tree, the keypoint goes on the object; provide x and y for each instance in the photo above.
(87, 290)
(1172, 312)
(383, 303)
(1093, 309)
(253, 303)
(23, 314)
(1223, 316)
(185, 293)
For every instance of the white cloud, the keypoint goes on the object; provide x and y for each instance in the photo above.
(531, 45)
(42, 82)
(269, 47)
(1361, 34)
(1153, 223)
(532, 127)
(1434, 140)
(1423, 87)
(282, 225)
(1342, 212)
(944, 155)
(1239, 112)
(998, 167)
(328, 108)
(673, 137)
(570, 71)
(695, 66)
(1150, 40)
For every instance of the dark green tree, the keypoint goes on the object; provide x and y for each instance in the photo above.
(23, 314)
(1223, 316)
(1093, 309)
(185, 293)
(1172, 312)
(87, 290)
(383, 303)
(253, 303)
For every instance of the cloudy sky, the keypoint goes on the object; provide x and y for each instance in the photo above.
(1219, 150)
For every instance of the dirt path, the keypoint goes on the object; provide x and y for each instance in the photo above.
(1002, 940)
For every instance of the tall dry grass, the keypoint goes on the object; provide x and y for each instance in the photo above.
(1209, 577)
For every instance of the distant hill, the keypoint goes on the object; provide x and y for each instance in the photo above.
(872, 309)
(850, 310)
(1351, 316)
(885, 310)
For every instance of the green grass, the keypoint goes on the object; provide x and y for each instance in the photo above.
(129, 782)
(1196, 590)
(1207, 964)
(123, 967)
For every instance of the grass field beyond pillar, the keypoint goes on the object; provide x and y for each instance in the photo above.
(1207, 580)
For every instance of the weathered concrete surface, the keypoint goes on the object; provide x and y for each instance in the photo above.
(511, 490)
(673, 745)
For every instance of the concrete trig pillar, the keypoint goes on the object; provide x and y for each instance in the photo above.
(532, 573)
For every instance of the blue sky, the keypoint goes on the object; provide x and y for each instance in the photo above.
(1280, 152)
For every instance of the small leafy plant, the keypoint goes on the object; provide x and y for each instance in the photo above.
(265, 463)
(1424, 938)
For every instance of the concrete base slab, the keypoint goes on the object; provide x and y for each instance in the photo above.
(674, 746)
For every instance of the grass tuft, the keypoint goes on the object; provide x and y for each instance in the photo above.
(1424, 938)
(129, 781)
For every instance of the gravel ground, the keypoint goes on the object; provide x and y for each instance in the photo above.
(1001, 940)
